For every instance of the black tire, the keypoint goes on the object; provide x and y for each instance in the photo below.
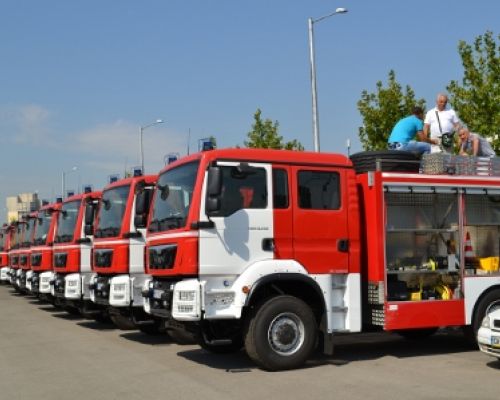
(417, 334)
(122, 323)
(181, 336)
(390, 160)
(72, 310)
(282, 334)
(490, 299)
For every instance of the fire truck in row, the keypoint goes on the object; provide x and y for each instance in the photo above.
(279, 251)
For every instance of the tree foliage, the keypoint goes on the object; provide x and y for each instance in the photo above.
(477, 98)
(264, 134)
(381, 110)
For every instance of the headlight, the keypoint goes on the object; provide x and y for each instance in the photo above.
(187, 295)
(486, 322)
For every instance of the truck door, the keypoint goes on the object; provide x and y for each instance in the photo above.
(243, 227)
(320, 219)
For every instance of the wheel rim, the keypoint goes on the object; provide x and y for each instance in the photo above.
(286, 334)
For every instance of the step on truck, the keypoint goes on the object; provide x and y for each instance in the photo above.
(5, 240)
(280, 251)
(42, 250)
(118, 253)
(72, 254)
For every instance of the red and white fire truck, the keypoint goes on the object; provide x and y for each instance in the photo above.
(38, 281)
(118, 252)
(72, 253)
(25, 251)
(15, 251)
(278, 250)
(5, 239)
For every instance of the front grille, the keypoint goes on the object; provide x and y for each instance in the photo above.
(35, 282)
(36, 260)
(101, 289)
(103, 258)
(60, 259)
(160, 296)
(59, 286)
(162, 257)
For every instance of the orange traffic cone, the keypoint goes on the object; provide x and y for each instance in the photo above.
(468, 252)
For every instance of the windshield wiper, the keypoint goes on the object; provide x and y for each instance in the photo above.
(64, 238)
(173, 221)
(107, 232)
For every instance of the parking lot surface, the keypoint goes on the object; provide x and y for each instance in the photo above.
(46, 353)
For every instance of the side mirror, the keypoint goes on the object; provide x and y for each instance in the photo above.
(142, 203)
(214, 190)
(89, 219)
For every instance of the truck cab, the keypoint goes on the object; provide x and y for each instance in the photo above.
(118, 252)
(41, 251)
(15, 250)
(72, 252)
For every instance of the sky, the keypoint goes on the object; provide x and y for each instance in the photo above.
(79, 78)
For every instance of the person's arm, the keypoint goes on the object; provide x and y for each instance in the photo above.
(426, 131)
(475, 145)
(425, 138)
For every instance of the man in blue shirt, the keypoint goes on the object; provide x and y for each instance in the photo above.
(404, 132)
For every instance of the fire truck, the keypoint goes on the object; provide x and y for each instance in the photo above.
(278, 251)
(25, 251)
(118, 252)
(39, 277)
(5, 239)
(72, 253)
(15, 251)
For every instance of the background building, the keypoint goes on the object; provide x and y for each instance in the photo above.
(21, 204)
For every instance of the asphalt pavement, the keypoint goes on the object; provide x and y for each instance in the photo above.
(46, 353)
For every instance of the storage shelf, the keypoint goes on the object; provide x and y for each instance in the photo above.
(422, 271)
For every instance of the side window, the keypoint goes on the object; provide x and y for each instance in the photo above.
(280, 188)
(242, 190)
(319, 190)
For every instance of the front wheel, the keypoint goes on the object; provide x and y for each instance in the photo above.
(490, 301)
(123, 323)
(281, 334)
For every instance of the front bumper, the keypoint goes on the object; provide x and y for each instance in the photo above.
(29, 277)
(73, 287)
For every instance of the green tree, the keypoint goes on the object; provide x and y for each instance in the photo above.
(381, 110)
(264, 135)
(477, 98)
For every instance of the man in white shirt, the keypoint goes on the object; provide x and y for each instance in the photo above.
(440, 120)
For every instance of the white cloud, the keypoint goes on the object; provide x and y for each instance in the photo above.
(114, 146)
(28, 124)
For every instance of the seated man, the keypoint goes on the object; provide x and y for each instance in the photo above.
(474, 144)
(405, 130)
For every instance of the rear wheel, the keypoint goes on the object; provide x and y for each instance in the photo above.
(282, 333)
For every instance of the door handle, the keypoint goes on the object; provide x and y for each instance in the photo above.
(268, 244)
(343, 245)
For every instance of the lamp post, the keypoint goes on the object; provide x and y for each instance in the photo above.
(63, 178)
(158, 121)
(315, 115)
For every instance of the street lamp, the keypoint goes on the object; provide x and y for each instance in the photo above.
(63, 178)
(158, 121)
(315, 116)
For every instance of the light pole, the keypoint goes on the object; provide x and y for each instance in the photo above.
(158, 121)
(315, 116)
(63, 178)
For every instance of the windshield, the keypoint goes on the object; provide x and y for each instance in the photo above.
(42, 228)
(173, 198)
(66, 222)
(113, 204)
(30, 226)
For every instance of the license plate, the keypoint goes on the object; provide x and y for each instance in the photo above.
(495, 342)
(157, 294)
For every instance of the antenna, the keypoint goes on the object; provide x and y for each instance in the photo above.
(189, 139)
